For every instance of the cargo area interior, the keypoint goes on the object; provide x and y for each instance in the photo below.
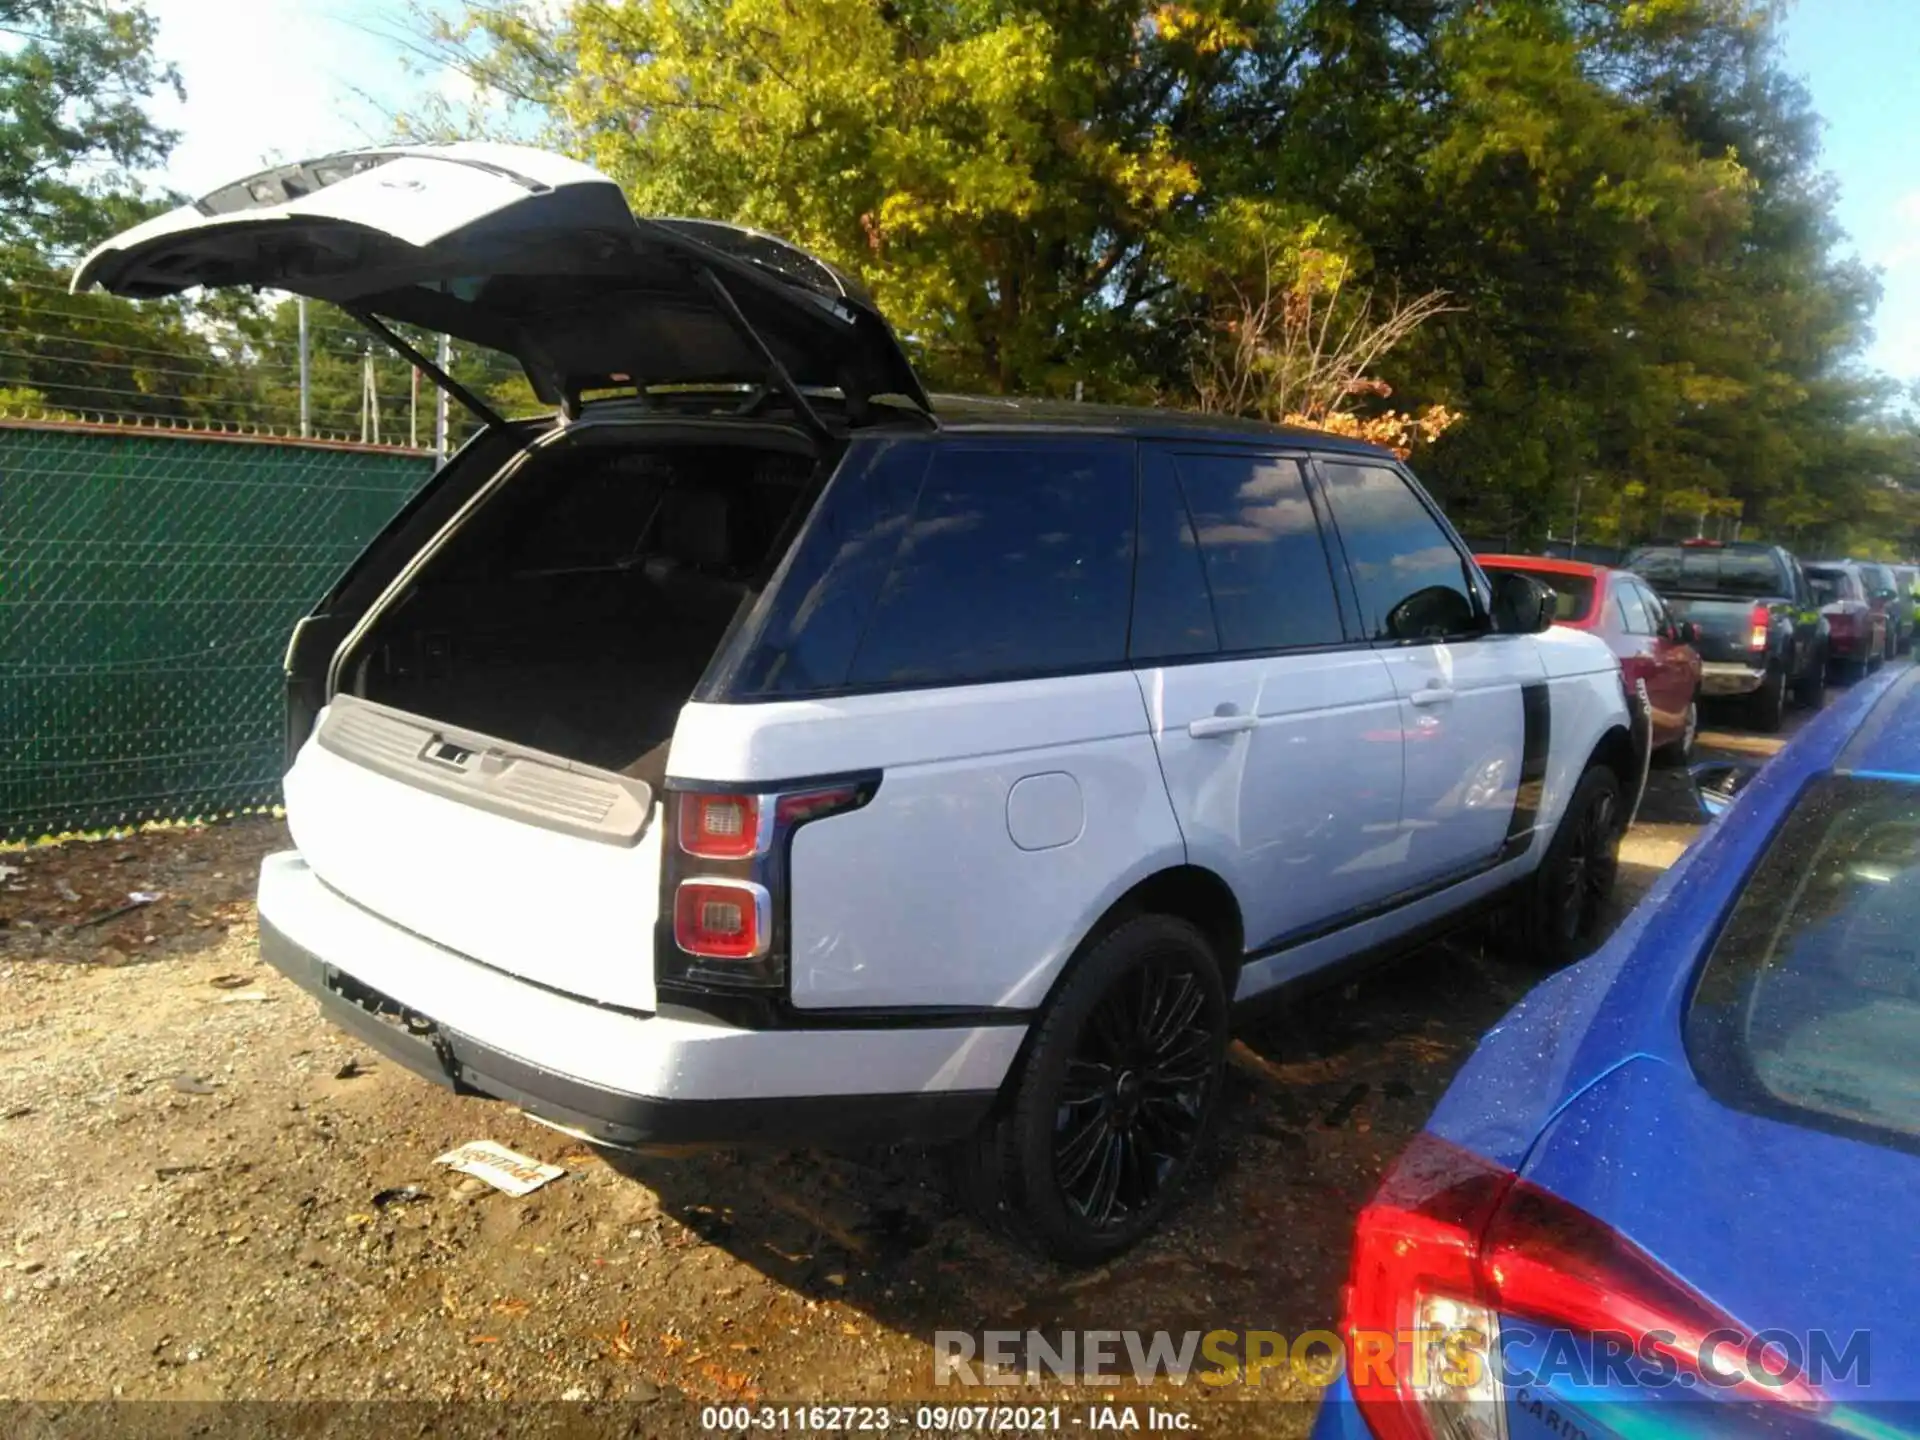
(575, 610)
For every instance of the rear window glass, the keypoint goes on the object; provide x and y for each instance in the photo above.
(1733, 572)
(1828, 585)
(1016, 560)
(1572, 594)
(1808, 1008)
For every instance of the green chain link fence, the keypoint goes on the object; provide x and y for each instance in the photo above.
(148, 583)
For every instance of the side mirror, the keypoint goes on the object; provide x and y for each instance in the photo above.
(1717, 783)
(1521, 604)
(1686, 632)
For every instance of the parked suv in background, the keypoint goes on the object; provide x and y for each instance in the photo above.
(1759, 631)
(760, 751)
(1856, 627)
(1890, 599)
(1906, 579)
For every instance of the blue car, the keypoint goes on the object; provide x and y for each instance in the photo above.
(1677, 1190)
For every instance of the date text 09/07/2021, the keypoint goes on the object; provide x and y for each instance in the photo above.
(944, 1419)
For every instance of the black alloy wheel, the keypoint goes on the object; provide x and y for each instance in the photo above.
(1569, 895)
(1109, 1112)
(1590, 866)
(1136, 1092)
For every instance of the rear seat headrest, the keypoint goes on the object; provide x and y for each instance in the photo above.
(694, 527)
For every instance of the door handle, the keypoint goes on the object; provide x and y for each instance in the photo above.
(1213, 727)
(1433, 694)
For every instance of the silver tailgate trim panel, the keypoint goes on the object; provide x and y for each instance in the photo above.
(489, 773)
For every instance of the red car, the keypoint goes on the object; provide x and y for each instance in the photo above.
(1622, 609)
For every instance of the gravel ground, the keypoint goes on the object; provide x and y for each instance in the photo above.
(215, 1195)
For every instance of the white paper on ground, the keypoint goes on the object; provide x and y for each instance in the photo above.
(500, 1167)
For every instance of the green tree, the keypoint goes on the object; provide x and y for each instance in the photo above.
(75, 82)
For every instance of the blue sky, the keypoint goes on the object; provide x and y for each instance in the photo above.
(1861, 61)
(272, 80)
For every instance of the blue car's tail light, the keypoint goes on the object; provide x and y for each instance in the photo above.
(1451, 1241)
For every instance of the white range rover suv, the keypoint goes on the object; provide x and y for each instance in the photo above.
(759, 751)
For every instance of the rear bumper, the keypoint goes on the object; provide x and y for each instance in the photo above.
(1730, 677)
(614, 1076)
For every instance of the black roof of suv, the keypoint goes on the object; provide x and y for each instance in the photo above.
(988, 412)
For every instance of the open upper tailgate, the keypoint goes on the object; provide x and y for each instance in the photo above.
(527, 253)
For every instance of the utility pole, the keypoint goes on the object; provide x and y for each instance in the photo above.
(413, 411)
(444, 359)
(369, 403)
(306, 375)
(1573, 545)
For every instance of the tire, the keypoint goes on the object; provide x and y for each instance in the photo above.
(1811, 692)
(1069, 1165)
(1768, 707)
(1679, 752)
(1568, 895)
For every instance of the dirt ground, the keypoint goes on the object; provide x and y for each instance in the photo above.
(214, 1195)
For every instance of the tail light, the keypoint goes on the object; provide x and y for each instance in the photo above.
(722, 919)
(725, 880)
(1450, 1243)
(1762, 622)
(1839, 623)
(719, 827)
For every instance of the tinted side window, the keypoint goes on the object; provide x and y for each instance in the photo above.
(1017, 560)
(801, 636)
(1633, 609)
(1260, 546)
(1657, 615)
(1808, 1008)
(1172, 614)
(1411, 579)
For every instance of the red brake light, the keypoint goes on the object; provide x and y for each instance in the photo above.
(721, 919)
(726, 886)
(1452, 1242)
(1701, 543)
(803, 805)
(1761, 620)
(720, 827)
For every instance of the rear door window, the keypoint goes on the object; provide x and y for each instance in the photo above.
(1828, 585)
(1657, 615)
(1633, 610)
(1412, 580)
(1017, 560)
(1172, 611)
(1808, 1008)
(1261, 552)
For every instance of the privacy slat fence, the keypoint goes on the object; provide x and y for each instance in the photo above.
(148, 582)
